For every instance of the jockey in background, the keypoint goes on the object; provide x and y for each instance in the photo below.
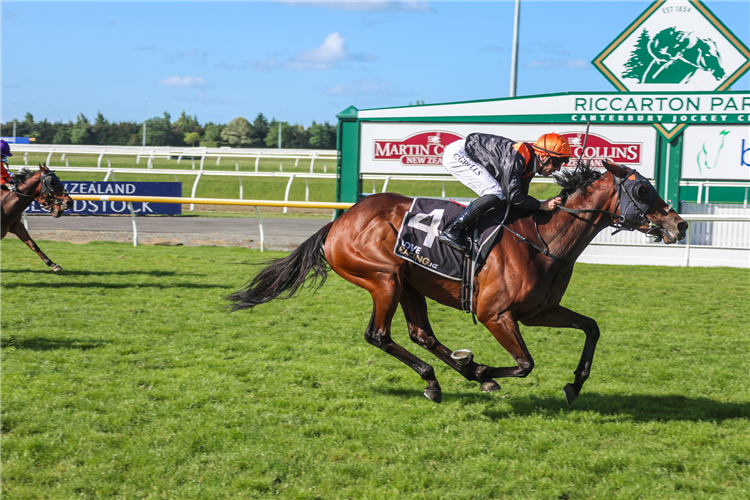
(5, 152)
(497, 169)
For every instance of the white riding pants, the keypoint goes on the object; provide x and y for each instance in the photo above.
(472, 175)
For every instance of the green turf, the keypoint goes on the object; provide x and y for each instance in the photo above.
(124, 377)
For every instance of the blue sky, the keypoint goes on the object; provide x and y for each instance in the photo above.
(302, 61)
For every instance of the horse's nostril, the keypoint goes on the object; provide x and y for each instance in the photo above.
(683, 227)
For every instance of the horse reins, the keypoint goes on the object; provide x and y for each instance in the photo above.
(14, 189)
(46, 188)
(619, 222)
(543, 251)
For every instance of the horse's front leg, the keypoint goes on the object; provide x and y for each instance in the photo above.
(504, 328)
(19, 230)
(561, 317)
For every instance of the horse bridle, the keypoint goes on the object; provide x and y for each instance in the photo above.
(619, 221)
(49, 183)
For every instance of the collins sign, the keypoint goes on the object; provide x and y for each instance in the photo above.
(599, 148)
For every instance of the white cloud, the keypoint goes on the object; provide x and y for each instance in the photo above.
(183, 81)
(559, 63)
(369, 87)
(333, 50)
(365, 5)
(332, 54)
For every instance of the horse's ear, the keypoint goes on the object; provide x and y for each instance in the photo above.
(43, 168)
(613, 167)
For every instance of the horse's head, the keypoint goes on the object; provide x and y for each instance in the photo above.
(642, 209)
(708, 58)
(52, 195)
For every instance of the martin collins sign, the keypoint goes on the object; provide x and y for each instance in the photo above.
(83, 207)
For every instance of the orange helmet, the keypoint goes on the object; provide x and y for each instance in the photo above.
(553, 145)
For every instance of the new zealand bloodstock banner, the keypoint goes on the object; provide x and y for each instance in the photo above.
(84, 207)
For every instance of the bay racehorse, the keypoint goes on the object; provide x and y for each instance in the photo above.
(23, 188)
(519, 281)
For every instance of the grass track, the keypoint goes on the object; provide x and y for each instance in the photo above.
(123, 377)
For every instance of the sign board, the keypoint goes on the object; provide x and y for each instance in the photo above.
(83, 207)
(669, 112)
(674, 46)
(416, 148)
(17, 140)
(716, 153)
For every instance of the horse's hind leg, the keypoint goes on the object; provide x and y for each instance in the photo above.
(19, 230)
(562, 317)
(414, 306)
(385, 293)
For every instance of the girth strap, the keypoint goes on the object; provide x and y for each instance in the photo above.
(470, 262)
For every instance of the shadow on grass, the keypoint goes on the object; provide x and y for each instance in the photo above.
(99, 273)
(633, 407)
(95, 284)
(636, 407)
(43, 344)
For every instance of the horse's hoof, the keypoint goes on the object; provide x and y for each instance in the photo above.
(435, 395)
(462, 357)
(490, 386)
(570, 393)
(56, 268)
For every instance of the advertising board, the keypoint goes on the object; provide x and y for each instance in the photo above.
(417, 148)
(716, 153)
(83, 207)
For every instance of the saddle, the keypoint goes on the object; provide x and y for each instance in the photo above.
(418, 243)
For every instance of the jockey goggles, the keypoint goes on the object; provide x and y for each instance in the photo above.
(558, 162)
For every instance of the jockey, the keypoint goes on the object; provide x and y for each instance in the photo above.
(5, 152)
(497, 169)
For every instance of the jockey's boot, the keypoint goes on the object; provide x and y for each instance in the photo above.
(455, 235)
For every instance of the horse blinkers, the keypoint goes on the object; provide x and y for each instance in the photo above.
(56, 203)
(639, 197)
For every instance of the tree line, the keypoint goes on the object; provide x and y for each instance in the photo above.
(184, 131)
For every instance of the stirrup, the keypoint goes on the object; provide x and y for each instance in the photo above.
(455, 243)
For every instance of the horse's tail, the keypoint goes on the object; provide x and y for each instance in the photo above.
(287, 274)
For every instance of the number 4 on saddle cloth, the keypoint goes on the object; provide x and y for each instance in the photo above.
(418, 241)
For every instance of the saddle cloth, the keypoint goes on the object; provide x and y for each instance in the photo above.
(418, 236)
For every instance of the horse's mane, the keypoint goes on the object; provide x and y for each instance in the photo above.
(575, 181)
(20, 177)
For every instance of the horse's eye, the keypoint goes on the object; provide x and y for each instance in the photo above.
(641, 193)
